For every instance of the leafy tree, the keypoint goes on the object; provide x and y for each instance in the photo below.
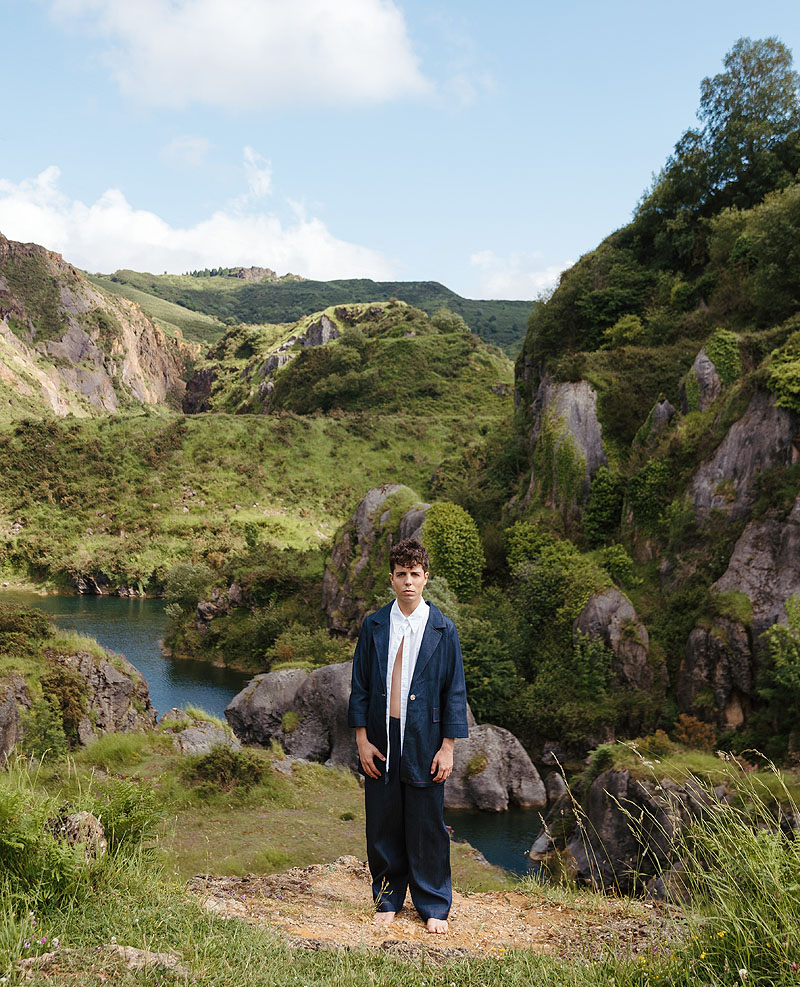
(626, 330)
(601, 516)
(784, 374)
(455, 548)
(186, 583)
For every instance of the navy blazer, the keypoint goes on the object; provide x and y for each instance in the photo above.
(437, 699)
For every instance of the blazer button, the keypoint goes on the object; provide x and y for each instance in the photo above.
(412, 697)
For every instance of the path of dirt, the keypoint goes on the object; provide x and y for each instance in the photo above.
(329, 906)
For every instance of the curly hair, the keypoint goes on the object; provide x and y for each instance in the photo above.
(408, 552)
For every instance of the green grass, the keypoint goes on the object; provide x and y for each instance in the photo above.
(495, 321)
(109, 495)
(197, 327)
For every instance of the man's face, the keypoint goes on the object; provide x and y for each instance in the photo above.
(408, 582)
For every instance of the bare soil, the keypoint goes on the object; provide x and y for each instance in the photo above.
(329, 906)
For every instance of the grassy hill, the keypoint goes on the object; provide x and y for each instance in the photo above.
(234, 300)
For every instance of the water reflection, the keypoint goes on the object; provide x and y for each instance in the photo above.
(134, 628)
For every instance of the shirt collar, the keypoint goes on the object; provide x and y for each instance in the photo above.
(419, 615)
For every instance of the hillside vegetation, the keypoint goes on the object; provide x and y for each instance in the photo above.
(231, 299)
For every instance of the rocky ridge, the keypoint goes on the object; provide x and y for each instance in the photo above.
(66, 347)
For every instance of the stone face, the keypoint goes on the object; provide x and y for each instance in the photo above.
(763, 437)
(14, 698)
(105, 349)
(610, 616)
(118, 700)
(321, 332)
(718, 660)
(625, 834)
(319, 700)
(360, 556)
(765, 565)
(200, 738)
(574, 406)
(508, 778)
(707, 380)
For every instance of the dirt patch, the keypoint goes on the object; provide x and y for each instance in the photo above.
(329, 906)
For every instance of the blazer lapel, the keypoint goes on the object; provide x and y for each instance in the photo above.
(430, 641)
(381, 638)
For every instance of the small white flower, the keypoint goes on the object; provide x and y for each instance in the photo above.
(743, 973)
(113, 938)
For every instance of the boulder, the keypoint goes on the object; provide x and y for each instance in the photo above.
(318, 731)
(321, 332)
(718, 660)
(491, 770)
(623, 836)
(763, 437)
(118, 699)
(765, 565)
(359, 562)
(14, 698)
(81, 829)
(610, 616)
(703, 378)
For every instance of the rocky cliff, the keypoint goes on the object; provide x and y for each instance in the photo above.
(67, 347)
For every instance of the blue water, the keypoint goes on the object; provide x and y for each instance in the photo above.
(134, 628)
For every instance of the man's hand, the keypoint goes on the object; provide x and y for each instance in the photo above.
(442, 766)
(367, 752)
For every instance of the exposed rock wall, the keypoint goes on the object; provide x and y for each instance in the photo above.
(610, 616)
(360, 556)
(763, 437)
(14, 697)
(704, 379)
(70, 347)
(491, 769)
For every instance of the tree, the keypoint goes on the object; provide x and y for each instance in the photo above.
(452, 539)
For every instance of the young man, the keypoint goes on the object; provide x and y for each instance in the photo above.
(408, 704)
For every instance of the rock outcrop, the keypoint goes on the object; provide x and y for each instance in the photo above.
(623, 836)
(14, 698)
(359, 561)
(610, 616)
(718, 661)
(492, 770)
(765, 565)
(117, 696)
(765, 436)
(196, 736)
(306, 712)
(68, 347)
(702, 385)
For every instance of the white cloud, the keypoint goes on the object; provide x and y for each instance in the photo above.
(259, 173)
(245, 55)
(111, 233)
(518, 275)
(187, 151)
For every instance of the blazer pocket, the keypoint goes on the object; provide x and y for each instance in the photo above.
(435, 714)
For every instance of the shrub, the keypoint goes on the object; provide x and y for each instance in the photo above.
(43, 734)
(723, 351)
(625, 331)
(224, 769)
(601, 516)
(618, 564)
(524, 541)
(692, 732)
(131, 813)
(783, 376)
(186, 583)
(455, 548)
(290, 721)
(67, 690)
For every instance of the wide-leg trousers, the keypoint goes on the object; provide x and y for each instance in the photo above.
(408, 846)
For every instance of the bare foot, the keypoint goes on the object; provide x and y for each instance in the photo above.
(437, 925)
(383, 918)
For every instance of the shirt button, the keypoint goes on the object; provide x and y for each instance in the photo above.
(412, 697)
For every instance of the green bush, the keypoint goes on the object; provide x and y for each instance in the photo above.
(723, 351)
(131, 813)
(648, 494)
(67, 689)
(783, 376)
(624, 332)
(224, 769)
(603, 511)
(524, 541)
(186, 583)
(618, 564)
(455, 548)
(43, 734)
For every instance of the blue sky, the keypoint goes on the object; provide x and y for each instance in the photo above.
(484, 146)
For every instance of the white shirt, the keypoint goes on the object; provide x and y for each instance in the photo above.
(409, 630)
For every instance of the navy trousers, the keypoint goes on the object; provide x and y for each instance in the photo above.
(408, 846)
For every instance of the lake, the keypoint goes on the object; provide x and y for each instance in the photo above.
(135, 627)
